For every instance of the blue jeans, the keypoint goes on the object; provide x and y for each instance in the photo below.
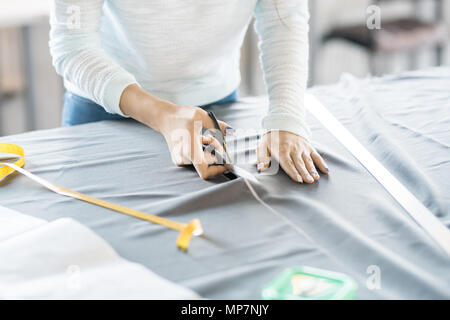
(79, 110)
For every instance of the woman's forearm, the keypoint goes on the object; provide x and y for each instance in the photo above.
(79, 56)
(144, 107)
(283, 31)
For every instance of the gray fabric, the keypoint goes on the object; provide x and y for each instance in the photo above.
(349, 220)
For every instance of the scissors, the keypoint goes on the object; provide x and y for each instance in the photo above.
(224, 158)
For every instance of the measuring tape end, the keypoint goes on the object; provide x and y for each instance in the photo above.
(193, 228)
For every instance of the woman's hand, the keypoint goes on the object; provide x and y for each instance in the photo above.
(294, 153)
(182, 129)
(181, 126)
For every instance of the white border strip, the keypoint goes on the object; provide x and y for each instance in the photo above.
(424, 217)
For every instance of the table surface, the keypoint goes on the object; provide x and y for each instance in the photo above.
(348, 222)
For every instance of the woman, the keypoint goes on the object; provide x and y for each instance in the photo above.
(158, 60)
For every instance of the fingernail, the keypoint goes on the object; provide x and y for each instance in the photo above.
(229, 131)
(260, 166)
(315, 174)
(299, 178)
(309, 177)
(327, 169)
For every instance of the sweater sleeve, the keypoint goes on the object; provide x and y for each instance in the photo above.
(282, 26)
(75, 46)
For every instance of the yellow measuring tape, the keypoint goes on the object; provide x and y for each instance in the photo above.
(193, 228)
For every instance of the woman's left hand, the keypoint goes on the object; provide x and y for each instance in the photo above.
(294, 153)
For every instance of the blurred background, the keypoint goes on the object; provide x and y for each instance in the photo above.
(345, 37)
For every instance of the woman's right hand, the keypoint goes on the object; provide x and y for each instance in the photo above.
(181, 126)
(182, 129)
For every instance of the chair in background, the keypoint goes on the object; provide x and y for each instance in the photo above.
(405, 35)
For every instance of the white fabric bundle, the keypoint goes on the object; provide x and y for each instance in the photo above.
(65, 260)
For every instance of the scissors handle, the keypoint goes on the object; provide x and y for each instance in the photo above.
(226, 156)
(214, 119)
(224, 159)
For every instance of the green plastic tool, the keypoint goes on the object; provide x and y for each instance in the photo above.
(306, 283)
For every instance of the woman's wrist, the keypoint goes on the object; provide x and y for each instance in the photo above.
(144, 107)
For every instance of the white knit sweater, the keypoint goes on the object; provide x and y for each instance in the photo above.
(184, 51)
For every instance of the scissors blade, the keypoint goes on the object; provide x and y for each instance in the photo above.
(227, 160)
(238, 171)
